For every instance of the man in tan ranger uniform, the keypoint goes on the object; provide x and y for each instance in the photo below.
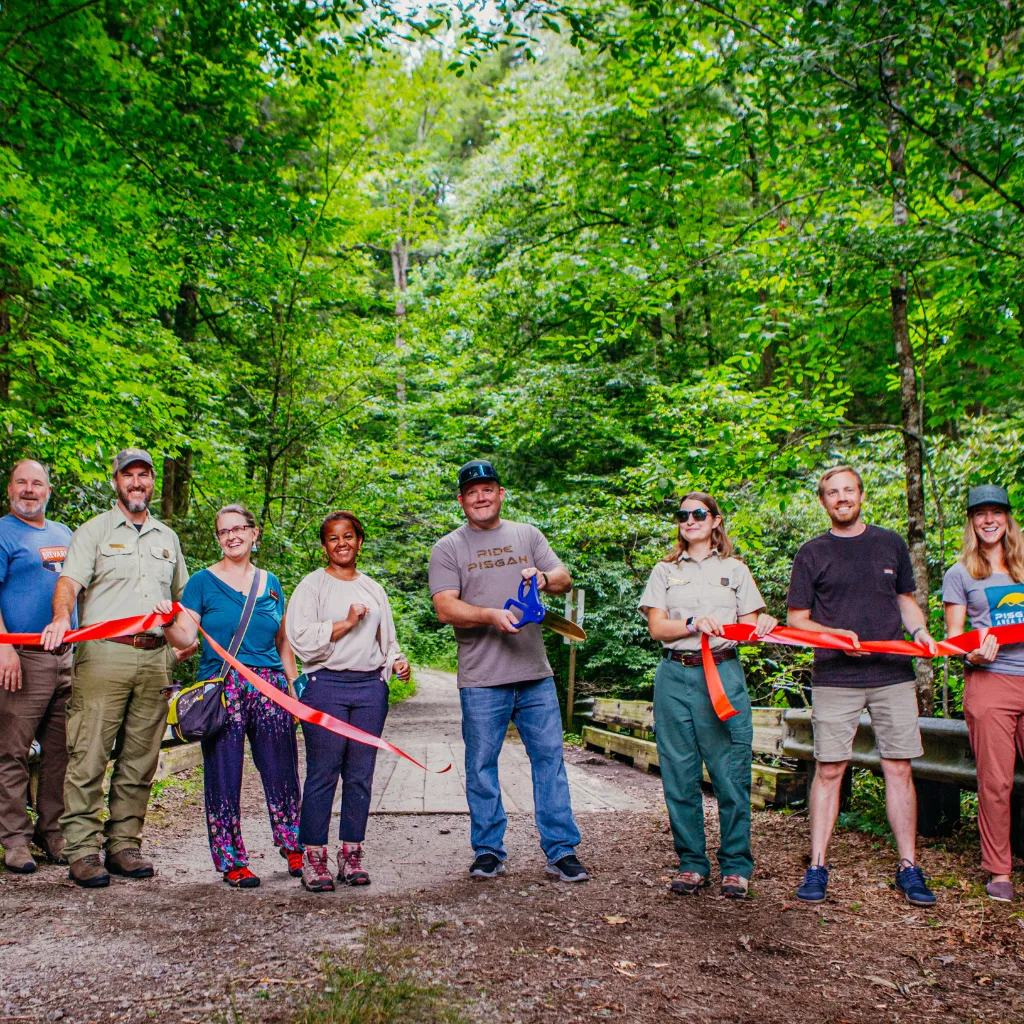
(120, 563)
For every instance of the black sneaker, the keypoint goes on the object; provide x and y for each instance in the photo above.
(814, 886)
(568, 869)
(486, 865)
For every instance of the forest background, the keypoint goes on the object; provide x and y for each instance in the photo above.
(317, 255)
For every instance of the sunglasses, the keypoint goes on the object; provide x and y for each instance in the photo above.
(699, 515)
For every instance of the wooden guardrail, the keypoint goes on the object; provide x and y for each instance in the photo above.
(626, 728)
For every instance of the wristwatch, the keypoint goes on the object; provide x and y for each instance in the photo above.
(689, 623)
(545, 575)
(913, 636)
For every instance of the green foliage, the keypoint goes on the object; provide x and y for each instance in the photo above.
(647, 249)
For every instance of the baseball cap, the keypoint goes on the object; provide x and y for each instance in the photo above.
(476, 472)
(126, 456)
(987, 494)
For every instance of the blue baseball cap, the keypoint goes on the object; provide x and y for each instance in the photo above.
(987, 494)
(477, 471)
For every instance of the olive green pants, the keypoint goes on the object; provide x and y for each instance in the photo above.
(116, 710)
(690, 735)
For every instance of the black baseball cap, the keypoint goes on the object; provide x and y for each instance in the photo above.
(477, 471)
(987, 494)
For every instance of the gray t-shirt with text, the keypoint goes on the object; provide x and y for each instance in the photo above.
(993, 601)
(485, 568)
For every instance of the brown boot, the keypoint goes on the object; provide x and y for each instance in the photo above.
(88, 872)
(130, 863)
(52, 847)
(19, 860)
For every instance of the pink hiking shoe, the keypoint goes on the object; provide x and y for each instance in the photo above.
(350, 865)
(316, 873)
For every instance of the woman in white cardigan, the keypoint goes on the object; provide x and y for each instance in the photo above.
(339, 623)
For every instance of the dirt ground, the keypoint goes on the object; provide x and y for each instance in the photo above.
(521, 948)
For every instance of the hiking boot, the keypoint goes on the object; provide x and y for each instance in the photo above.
(241, 878)
(486, 865)
(294, 858)
(19, 860)
(689, 883)
(53, 848)
(911, 881)
(88, 872)
(815, 884)
(568, 869)
(130, 863)
(734, 887)
(316, 874)
(350, 865)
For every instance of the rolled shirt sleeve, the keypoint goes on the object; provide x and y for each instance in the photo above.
(309, 636)
(80, 563)
(655, 594)
(748, 597)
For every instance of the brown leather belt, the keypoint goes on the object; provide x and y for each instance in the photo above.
(691, 660)
(140, 641)
(56, 652)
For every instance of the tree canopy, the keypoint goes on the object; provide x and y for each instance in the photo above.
(319, 255)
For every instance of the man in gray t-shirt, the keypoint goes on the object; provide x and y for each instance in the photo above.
(504, 674)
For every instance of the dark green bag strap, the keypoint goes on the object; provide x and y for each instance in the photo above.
(243, 623)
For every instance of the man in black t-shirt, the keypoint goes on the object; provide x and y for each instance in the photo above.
(857, 581)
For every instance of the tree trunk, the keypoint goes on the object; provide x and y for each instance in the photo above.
(400, 274)
(177, 476)
(5, 349)
(910, 407)
(167, 489)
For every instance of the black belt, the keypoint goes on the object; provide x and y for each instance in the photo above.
(140, 641)
(691, 660)
(56, 652)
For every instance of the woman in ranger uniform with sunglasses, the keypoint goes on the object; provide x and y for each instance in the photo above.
(699, 587)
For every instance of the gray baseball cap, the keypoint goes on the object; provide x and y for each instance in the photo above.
(987, 494)
(126, 456)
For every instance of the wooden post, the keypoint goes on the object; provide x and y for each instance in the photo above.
(574, 603)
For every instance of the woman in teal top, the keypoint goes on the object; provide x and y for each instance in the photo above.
(217, 596)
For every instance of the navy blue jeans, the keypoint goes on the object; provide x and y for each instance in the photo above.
(360, 698)
(533, 707)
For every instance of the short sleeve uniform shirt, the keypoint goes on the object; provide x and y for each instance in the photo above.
(124, 571)
(722, 587)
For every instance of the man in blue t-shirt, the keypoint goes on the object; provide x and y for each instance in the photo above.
(35, 684)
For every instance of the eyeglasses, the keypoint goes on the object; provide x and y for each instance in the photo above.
(231, 531)
(699, 514)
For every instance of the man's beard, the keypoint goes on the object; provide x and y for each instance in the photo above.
(20, 508)
(846, 514)
(135, 504)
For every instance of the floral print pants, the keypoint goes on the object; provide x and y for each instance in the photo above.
(272, 740)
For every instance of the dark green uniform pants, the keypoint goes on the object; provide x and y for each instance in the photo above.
(690, 734)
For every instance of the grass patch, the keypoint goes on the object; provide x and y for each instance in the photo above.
(371, 995)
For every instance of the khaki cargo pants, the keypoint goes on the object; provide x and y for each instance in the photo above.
(116, 710)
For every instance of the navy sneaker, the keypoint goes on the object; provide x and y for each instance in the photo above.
(815, 884)
(486, 865)
(910, 879)
(568, 869)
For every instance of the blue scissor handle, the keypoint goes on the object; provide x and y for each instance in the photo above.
(528, 603)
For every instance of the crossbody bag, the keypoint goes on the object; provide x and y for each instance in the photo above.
(200, 711)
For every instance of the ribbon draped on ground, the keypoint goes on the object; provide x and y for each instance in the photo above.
(144, 623)
(744, 633)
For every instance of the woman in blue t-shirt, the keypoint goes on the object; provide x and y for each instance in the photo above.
(217, 595)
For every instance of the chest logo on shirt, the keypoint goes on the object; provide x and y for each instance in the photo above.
(1006, 604)
(53, 558)
(497, 558)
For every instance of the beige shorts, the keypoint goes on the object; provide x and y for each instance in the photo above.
(835, 713)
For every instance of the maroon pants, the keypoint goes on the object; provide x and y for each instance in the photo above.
(35, 712)
(994, 709)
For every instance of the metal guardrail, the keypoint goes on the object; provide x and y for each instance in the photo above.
(947, 749)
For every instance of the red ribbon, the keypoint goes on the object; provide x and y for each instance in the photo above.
(744, 633)
(143, 623)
